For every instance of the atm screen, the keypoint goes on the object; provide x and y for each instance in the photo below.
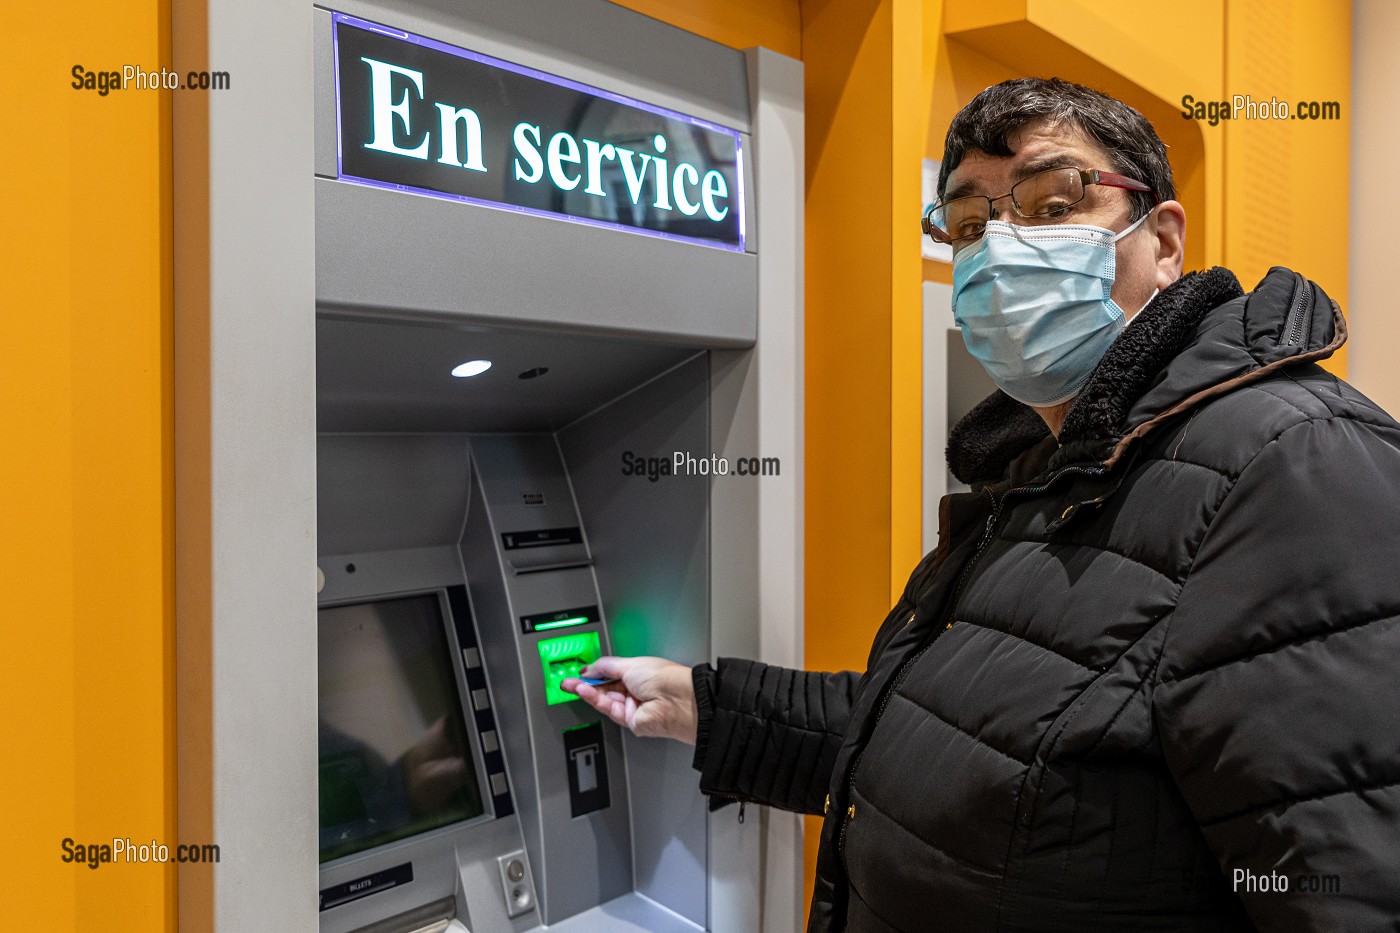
(394, 756)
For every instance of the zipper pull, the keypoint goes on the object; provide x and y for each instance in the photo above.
(742, 805)
(851, 812)
(1056, 524)
(826, 807)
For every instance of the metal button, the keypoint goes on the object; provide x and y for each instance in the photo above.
(515, 870)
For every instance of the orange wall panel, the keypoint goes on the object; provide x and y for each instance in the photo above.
(739, 24)
(85, 561)
(1287, 181)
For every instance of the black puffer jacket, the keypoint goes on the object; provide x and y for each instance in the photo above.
(1149, 675)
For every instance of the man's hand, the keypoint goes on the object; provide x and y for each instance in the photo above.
(650, 696)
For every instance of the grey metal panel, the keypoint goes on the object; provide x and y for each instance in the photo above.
(385, 492)
(631, 913)
(515, 469)
(396, 376)
(750, 183)
(582, 277)
(245, 466)
(651, 546)
(381, 251)
(579, 861)
(486, 586)
(459, 861)
(591, 41)
(324, 64)
(378, 573)
(757, 410)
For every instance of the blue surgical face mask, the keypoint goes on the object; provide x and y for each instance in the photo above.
(1034, 308)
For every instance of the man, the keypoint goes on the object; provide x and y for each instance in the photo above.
(1146, 681)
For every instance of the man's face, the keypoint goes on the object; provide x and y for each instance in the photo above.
(1149, 258)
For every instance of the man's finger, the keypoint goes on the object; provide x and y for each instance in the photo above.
(629, 712)
(582, 688)
(598, 699)
(606, 668)
(607, 702)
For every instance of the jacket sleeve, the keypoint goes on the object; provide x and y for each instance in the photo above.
(769, 734)
(1278, 690)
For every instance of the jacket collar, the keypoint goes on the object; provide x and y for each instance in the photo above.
(1200, 337)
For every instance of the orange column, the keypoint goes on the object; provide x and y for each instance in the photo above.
(85, 554)
(866, 125)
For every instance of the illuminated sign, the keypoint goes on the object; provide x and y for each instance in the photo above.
(418, 115)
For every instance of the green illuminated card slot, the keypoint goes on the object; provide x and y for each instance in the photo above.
(565, 656)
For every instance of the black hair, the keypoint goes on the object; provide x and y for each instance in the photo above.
(991, 118)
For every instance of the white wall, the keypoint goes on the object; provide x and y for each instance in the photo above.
(1374, 311)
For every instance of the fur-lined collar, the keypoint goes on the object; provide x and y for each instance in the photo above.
(999, 428)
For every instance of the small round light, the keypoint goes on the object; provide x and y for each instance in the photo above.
(474, 368)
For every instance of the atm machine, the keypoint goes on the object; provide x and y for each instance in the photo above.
(558, 383)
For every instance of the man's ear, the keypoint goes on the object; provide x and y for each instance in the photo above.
(1169, 228)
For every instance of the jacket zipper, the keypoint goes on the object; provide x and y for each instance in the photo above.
(894, 684)
(1297, 320)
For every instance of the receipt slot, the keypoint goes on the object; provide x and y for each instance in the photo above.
(588, 769)
(585, 765)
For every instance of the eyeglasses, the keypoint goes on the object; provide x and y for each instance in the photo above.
(1043, 197)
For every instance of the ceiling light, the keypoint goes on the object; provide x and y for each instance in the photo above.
(474, 368)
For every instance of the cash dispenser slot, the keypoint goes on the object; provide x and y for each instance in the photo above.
(544, 549)
(544, 537)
